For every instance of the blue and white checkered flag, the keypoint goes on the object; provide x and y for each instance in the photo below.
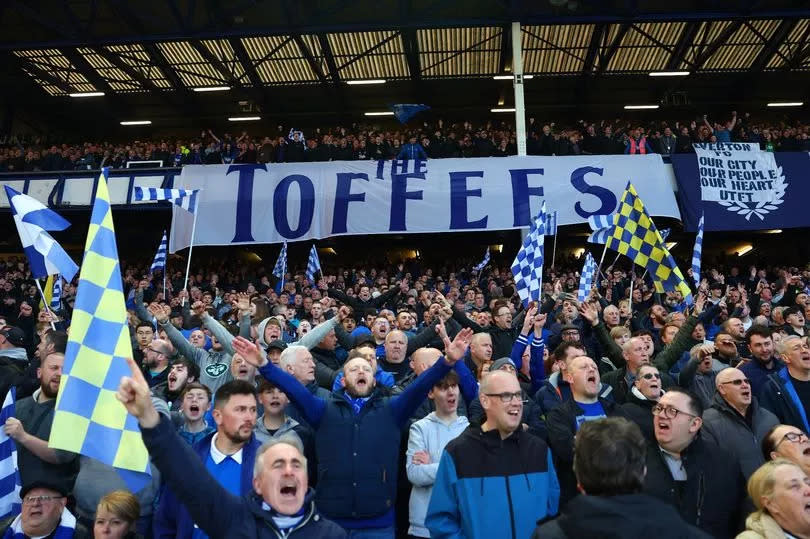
(696, 254)
(528, 265)
(159, 263)
(280, 269)
(10, 503)
(602, 227)
(313, 264)
(586, 278)
(483, 263)
(56, 293)
(665, 233)
(551, 223)
(185, 198)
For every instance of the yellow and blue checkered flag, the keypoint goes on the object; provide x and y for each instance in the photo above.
(88, 419)
(635, 236)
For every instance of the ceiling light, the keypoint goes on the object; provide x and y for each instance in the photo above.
(774, 231)
(136, 122)
(669, 73)
(87, 94)
(745, 249)
(244, 118)
(510, 77)
(385, 113)
(502, 110)
(211, 88)
(786, 104)
(367, 81)
(640, 107)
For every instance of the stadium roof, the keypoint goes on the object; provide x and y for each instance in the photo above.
(271, 50)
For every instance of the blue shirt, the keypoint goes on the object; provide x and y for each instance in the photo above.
(592, 411)
(227, 470)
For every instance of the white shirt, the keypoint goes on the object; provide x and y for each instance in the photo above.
(218, 456)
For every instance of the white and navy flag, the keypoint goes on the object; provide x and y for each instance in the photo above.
(528, 265)
(696, 254)
(602, 227)
(185, 198)
(551, 223)
(586, 278)
(280, 269)
(483, 263)
(33, 220)
(56, 293)
(10, 503)
(159, 263)
(313, 264)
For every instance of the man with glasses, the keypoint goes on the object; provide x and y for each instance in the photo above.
(494, 480)
(701, 480)
(787, 442)
(156, 363)
(43, 513)
(787, 393)
(735, 420)
(504, 331)
(645, 393)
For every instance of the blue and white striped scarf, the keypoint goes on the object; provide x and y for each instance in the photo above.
(65, 529)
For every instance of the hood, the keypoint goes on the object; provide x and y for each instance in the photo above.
(260, 331)
(433, 418)
(18, 354)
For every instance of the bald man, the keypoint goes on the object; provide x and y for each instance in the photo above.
(735, 420)
(423, 359)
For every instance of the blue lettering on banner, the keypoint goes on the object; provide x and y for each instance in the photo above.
(244, 200)
(606, 197)
(400, 195)
(344, 195)
(458, 200)
(307, 202)
(521, 193)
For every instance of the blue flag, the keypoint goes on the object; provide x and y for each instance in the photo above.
(405, 112)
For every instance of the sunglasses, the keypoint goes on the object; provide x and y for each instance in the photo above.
(739, 382)
(651, 375)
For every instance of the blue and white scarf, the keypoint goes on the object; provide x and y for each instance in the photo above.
(356, 402)
(65, 529)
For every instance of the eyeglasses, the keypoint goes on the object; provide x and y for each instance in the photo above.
(738, 382)
(651, 375)
(669, 412)
(792, 437)
(506, 397)
(32, 500)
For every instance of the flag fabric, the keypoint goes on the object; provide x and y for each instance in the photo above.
(313, 264)
(10, 503)
(56, 294)
(635, 236)
(88, 419)
(483, 263)
(665, 233)
(600, 236)
(586, 278)
(551, 223)
(47, 293)
(696, 254)
(406, 111)
(602, 227)
(528, 264)
(33, 219)
(280, 269)
(185, 198)
(159, 263)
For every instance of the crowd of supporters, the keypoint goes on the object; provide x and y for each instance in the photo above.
(429, 402)
(431, 140)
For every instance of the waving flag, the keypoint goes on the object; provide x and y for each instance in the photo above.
(406, 111)
(88, 419)
(280, 269)
(664, 233)
(159, 263)
(10, 503)
(586, 278)
(313, 264)
(33, 219)
(551, 223)
(483, 263)
(528, 265)
(602, 227)
(185, 198)
(696, 254)
(56, 294)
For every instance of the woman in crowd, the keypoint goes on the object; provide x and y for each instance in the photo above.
(116, 516)
(780, 491)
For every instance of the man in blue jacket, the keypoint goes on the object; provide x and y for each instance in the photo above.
(227, 454)
(494, 480)
(280, 503)
(357, 436)
(787, 392)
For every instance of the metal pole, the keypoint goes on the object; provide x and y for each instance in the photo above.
(190, 247)
(45, 302)
(517, 73)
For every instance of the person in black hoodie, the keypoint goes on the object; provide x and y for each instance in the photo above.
(644, 394)
(610, 467)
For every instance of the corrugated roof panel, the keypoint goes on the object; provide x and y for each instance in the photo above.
(645, 47)
(278, 60)
(386, 58)
(790, 45)
(707, 32)
(116, 78)
(557, 49)
(189, 65)
(459, 52)
(742, 47)
(48, 87)
(135, 56)
(54, 62)
(222, 51)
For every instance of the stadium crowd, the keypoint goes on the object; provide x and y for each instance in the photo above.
(404, 400)
(431, 140)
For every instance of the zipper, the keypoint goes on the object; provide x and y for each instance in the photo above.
(511, 509)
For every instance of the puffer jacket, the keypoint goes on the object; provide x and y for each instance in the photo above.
(761, 526)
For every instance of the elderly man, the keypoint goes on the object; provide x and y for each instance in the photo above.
(736, 422)
(521, 487)
(480, 351)
(281, 501)
(43, 513)
(645, 393)
(787, 393)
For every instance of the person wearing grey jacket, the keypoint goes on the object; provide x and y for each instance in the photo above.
(736, 422)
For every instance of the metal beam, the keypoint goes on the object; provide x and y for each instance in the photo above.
(597, 38)
(772, 45)
(47, 76)
(211, 58)
(410, 44)
(330, 59)
(84, 67)
(247, 63)
(160, 61)
(307, 54)
(685, 40)
(506, 49)
(604, 59)
(712, 47)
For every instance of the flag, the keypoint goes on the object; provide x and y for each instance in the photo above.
(56, 294)
(635, 236)
(551, 223)
(696, 254)
(313, 264)
(528, 265)
(10, 503)
(483, 263)
(280, 269)
(185, 198)
(602, 227)
(406, 111)
(33, 219)
(47, 293)
(665, 233)
(159, 263)
(88, 419)
(586, 278)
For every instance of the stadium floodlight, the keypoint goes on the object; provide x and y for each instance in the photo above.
(244, 118)
(366, 81)
(86, 94)
(786, 104)
(381, 113)
(502, 110)
(212, 89)
(670, 73)
(510, 77)
(640, 107)
(136, 122)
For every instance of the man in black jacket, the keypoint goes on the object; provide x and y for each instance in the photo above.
(703, 482)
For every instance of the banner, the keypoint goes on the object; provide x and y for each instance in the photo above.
(271, 203)
(740, 187)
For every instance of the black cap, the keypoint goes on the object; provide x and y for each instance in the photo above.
(277, 344)
(715, 286)
(14, 335)
(43, 483)
(176, 312)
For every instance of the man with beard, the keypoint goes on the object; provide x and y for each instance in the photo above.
(763, 362)
(181, 373)
(228, 455)
(31, 429)
(357, 435)
(156, 364)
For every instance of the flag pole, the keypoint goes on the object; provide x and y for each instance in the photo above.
(45, 303)
(554, 251)
(602, 259)
(630, 298)
(190, 247)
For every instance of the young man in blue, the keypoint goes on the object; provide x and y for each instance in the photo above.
(357, 436)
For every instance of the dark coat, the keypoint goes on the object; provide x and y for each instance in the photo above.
(781, 399)
(639, 411)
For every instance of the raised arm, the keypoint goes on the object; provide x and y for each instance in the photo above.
(217, 330)
(612, 350)
(140, 308)
(537, 370)
(243, 308)
(354, 303)
(317, 334)
(184, 348)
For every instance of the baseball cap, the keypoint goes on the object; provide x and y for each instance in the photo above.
(14, 335)
(43, 483)
(277, 344)
(500, 363)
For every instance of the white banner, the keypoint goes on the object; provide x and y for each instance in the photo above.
(736, 172)
(243, 204)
